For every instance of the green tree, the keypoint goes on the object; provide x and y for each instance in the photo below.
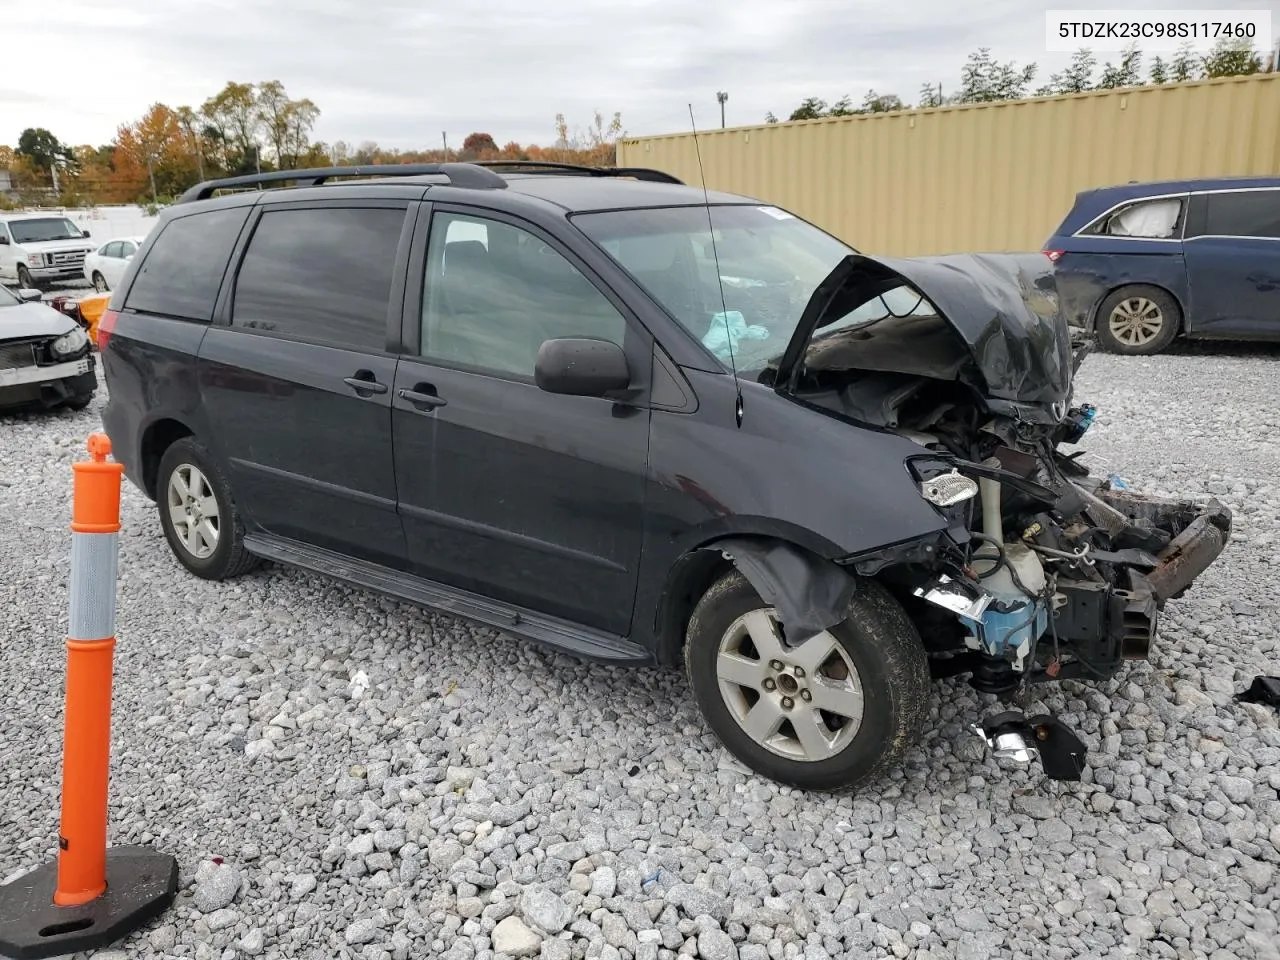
(44, 150)
(984, 80)
(841, 108)
(1185, 65)
(930, 96)
(1232, 58)
(1159, 73)
(1077, 77)
(880, 102)
(810, 109)
(1126, 73)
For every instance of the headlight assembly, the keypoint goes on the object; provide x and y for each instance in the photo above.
(70, 343)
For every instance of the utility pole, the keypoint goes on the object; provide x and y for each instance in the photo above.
(444, 142)
(53, 172)
(722, 96)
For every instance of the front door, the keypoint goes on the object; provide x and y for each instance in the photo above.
(528, 497)
(1232, 249)
(298, 385)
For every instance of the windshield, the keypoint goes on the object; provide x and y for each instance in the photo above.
(44, 228)
(770, 264)
(7, 299)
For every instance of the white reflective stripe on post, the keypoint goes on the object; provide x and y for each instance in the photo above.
(93, 586)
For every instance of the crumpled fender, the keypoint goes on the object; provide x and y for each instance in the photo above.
(809, 593)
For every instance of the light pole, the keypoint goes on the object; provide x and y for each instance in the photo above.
(722, 97)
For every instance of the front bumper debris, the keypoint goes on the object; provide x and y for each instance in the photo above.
(1011, 736)
(1203, 533)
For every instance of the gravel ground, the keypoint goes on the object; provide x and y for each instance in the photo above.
(381, 782)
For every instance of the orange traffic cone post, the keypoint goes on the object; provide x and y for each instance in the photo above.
(90, 895)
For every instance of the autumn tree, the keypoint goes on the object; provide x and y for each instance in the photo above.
(479, 146)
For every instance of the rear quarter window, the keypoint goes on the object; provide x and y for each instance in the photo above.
(182, 272)
(1244, 213)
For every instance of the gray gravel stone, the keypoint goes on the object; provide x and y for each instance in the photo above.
(239, 736)
(217, 887)
(544, 910)
(715, 945)
(695, 901)
(512, 938)
(362, 931)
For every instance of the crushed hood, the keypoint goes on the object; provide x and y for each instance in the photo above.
(27, 320)
(1002, 307)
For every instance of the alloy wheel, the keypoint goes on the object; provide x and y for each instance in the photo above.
(802, 702)
(1135, 322)
(193, 510)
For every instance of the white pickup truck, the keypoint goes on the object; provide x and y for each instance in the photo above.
(36, 248)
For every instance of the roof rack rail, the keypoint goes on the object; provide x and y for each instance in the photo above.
(547, 166)
(468, 175)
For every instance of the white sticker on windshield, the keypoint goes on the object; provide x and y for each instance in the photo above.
(776, 213)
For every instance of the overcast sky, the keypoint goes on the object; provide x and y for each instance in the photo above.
(400, 72)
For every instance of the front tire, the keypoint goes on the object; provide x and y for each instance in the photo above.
(1138, 320)
(25, 280)
(199, 515)
(99, 282)
(834, 712)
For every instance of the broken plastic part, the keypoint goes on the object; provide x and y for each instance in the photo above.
(1009, 734)
(952, 595)
(809, 593)
(948, 489)
(1264, 690)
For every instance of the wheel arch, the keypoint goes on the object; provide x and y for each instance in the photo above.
(158, 437)
(1114, 288)
(810, 590)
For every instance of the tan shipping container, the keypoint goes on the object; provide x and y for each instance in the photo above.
(997, 176)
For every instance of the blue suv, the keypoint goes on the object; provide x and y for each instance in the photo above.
(1139, 264)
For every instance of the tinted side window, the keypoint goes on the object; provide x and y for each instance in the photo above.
(183, 270)
(320, 274)
(495, 292)
(1249, 213)
(111, 249)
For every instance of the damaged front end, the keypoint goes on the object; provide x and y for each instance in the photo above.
(1043, 572)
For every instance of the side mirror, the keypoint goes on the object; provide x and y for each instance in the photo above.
(581, 367)
(4, 239)
(30, 295)
(84, 233)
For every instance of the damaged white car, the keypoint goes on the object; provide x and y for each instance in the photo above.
(45, 357)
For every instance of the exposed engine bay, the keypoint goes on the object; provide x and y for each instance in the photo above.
(1043, 571)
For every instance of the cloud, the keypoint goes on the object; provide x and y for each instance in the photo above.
(399, 73)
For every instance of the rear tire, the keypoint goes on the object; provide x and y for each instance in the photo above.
(199, 515)
(78, 401)
(872, 664)
(1138, 320)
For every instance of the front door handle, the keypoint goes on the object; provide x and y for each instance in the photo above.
(423, 396)
(364, 384)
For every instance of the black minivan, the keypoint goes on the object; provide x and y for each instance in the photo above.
(644, 423)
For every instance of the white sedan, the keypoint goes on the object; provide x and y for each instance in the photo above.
(105, 267)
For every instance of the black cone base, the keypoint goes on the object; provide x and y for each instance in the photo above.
(141, 883)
